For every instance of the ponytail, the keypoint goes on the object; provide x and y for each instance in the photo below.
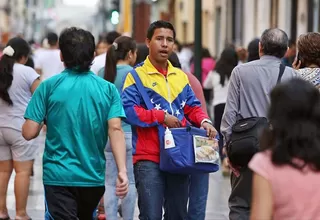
(6, 77)
(16, 49)
(110, 70)
(117, 51)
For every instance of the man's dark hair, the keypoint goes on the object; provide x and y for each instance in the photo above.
(253, 50)
(292, 43)
(111, 36)
(52, 38)
(160, 24)
(174, 60)
(178, 45)
(274, 42)
(142, 53)
(77, 47)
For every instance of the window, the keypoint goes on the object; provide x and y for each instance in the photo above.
(294, 16)
(316, 16)
(184, 31)
(313, 15)
(218, 30)
(237, 21)
(205, 28)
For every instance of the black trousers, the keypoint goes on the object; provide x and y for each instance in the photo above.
(218, 113)
(71, 203)
(240, 197)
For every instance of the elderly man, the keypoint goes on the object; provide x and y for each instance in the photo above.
(248, 96)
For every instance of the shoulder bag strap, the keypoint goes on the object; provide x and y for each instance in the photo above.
(281, 71)
(145, 98)
(141, 89)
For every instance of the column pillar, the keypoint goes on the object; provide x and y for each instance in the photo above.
(142, 20)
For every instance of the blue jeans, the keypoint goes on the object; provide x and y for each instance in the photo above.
(157, 189)
(110, 198)
(198, 195)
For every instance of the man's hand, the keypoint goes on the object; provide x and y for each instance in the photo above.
(172, 122)
(122, 185)
(211, 131)
(234, 169)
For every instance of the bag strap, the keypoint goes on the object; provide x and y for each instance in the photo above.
(281, 71)
(141, 89)
(145, 98)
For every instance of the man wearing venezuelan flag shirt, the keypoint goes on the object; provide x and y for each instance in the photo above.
(174, 102)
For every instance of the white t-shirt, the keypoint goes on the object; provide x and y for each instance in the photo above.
(48, 60)
(98, 63)
(20, 94)
(220, 92)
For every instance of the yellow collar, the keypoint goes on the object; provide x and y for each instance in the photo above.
(152, 70)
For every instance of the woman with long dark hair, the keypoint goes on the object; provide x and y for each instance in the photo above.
(218, 80)
(286, 174)
(120, 58)
(17, 84)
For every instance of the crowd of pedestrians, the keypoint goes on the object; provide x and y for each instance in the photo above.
(103, 143)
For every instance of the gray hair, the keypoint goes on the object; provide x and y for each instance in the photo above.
(274, 42)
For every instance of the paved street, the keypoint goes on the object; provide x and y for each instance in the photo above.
(216, 208)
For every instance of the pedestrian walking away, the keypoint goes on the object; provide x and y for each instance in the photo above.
(81, 110)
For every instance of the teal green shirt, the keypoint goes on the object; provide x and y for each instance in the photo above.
(77, 107)
(122, 71)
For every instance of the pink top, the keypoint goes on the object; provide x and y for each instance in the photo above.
(296, 194)
(207, 64)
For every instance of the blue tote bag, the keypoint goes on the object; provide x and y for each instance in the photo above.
(192, 153)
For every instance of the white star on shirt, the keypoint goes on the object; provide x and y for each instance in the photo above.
(165, 110)
(183, 104)
(178, 112)
(158, 106)
(151, 100)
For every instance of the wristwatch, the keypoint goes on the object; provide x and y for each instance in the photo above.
(206, 120)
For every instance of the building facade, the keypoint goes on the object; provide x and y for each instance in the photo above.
(240, 21)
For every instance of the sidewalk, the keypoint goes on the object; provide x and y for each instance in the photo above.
(217, 206)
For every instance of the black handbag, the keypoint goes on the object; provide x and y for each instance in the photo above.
(245, 136)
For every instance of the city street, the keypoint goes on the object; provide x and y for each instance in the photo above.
(217, 208)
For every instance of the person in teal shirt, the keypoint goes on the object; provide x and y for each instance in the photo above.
(120, 58)
(80, 110)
